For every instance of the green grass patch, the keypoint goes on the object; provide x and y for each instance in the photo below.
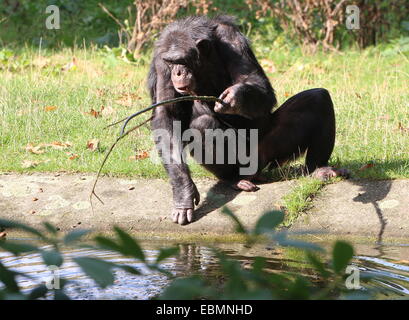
(369, 90)
(300, 199)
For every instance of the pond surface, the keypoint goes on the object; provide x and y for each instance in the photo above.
(388, 263)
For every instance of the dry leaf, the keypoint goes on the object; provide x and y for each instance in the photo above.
(39, 149)
(140, 155)
(93, 113)
(384, 117)
(3, 235)
(35, 149)
(50, 108)
(287, 94)
(29, 164)
(32, 212)
(59, 145)
(34, 199)
(72, 156)
(127, 99)
(93, 144)
(366, 166)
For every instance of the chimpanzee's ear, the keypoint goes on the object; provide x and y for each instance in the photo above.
(204, 46)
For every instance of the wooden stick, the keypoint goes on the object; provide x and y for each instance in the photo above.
(124, 133)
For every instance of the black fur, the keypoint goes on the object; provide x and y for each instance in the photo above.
(219, 57)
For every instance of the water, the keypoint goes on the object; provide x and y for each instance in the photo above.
(389, 264)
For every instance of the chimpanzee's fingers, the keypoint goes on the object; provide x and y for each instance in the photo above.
(182, 216)
(175, 215)
(189, 215)
(218, 107)
(224, 94)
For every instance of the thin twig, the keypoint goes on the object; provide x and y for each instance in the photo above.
(124, 133)
(106, 157)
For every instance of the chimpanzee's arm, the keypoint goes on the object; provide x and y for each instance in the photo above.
(170, 150)
(251, 90)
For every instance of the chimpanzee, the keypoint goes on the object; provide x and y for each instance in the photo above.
(211, 57)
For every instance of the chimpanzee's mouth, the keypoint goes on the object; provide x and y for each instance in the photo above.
(183, 90)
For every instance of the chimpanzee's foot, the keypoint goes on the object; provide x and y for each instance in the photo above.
(182, 216)
(326, 173)
(245, 185)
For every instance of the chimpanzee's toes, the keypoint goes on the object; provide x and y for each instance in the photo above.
(245, 185)
(182, 216)
(326, 173)
(189, 215)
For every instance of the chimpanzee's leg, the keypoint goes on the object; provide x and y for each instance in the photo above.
(305, 122)
(216, 152)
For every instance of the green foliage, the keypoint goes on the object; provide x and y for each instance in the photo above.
(300, 198)
(341, 255)
(84, 22)
(256, 282)
(98, 270)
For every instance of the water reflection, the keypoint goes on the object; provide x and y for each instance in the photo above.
(388, 264)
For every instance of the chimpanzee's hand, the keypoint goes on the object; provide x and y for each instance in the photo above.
(232, 98)
(185, 215)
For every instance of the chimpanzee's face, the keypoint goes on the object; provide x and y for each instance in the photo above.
(181, 65)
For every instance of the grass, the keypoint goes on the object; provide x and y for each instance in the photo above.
(300, 198)
(369, 91)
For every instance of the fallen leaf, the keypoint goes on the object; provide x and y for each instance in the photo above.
(3, 235)
(59, 145)
(93, 113)
(50, 108)
(384, 117)
(287, 94)
(366, 166)
(35, 149)
(140, 155)
(39, 149)
(29, 164)
(72, 156)
(127, 99)
(32, 212)
(93, 144)
(131, 188)
(34, 199)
